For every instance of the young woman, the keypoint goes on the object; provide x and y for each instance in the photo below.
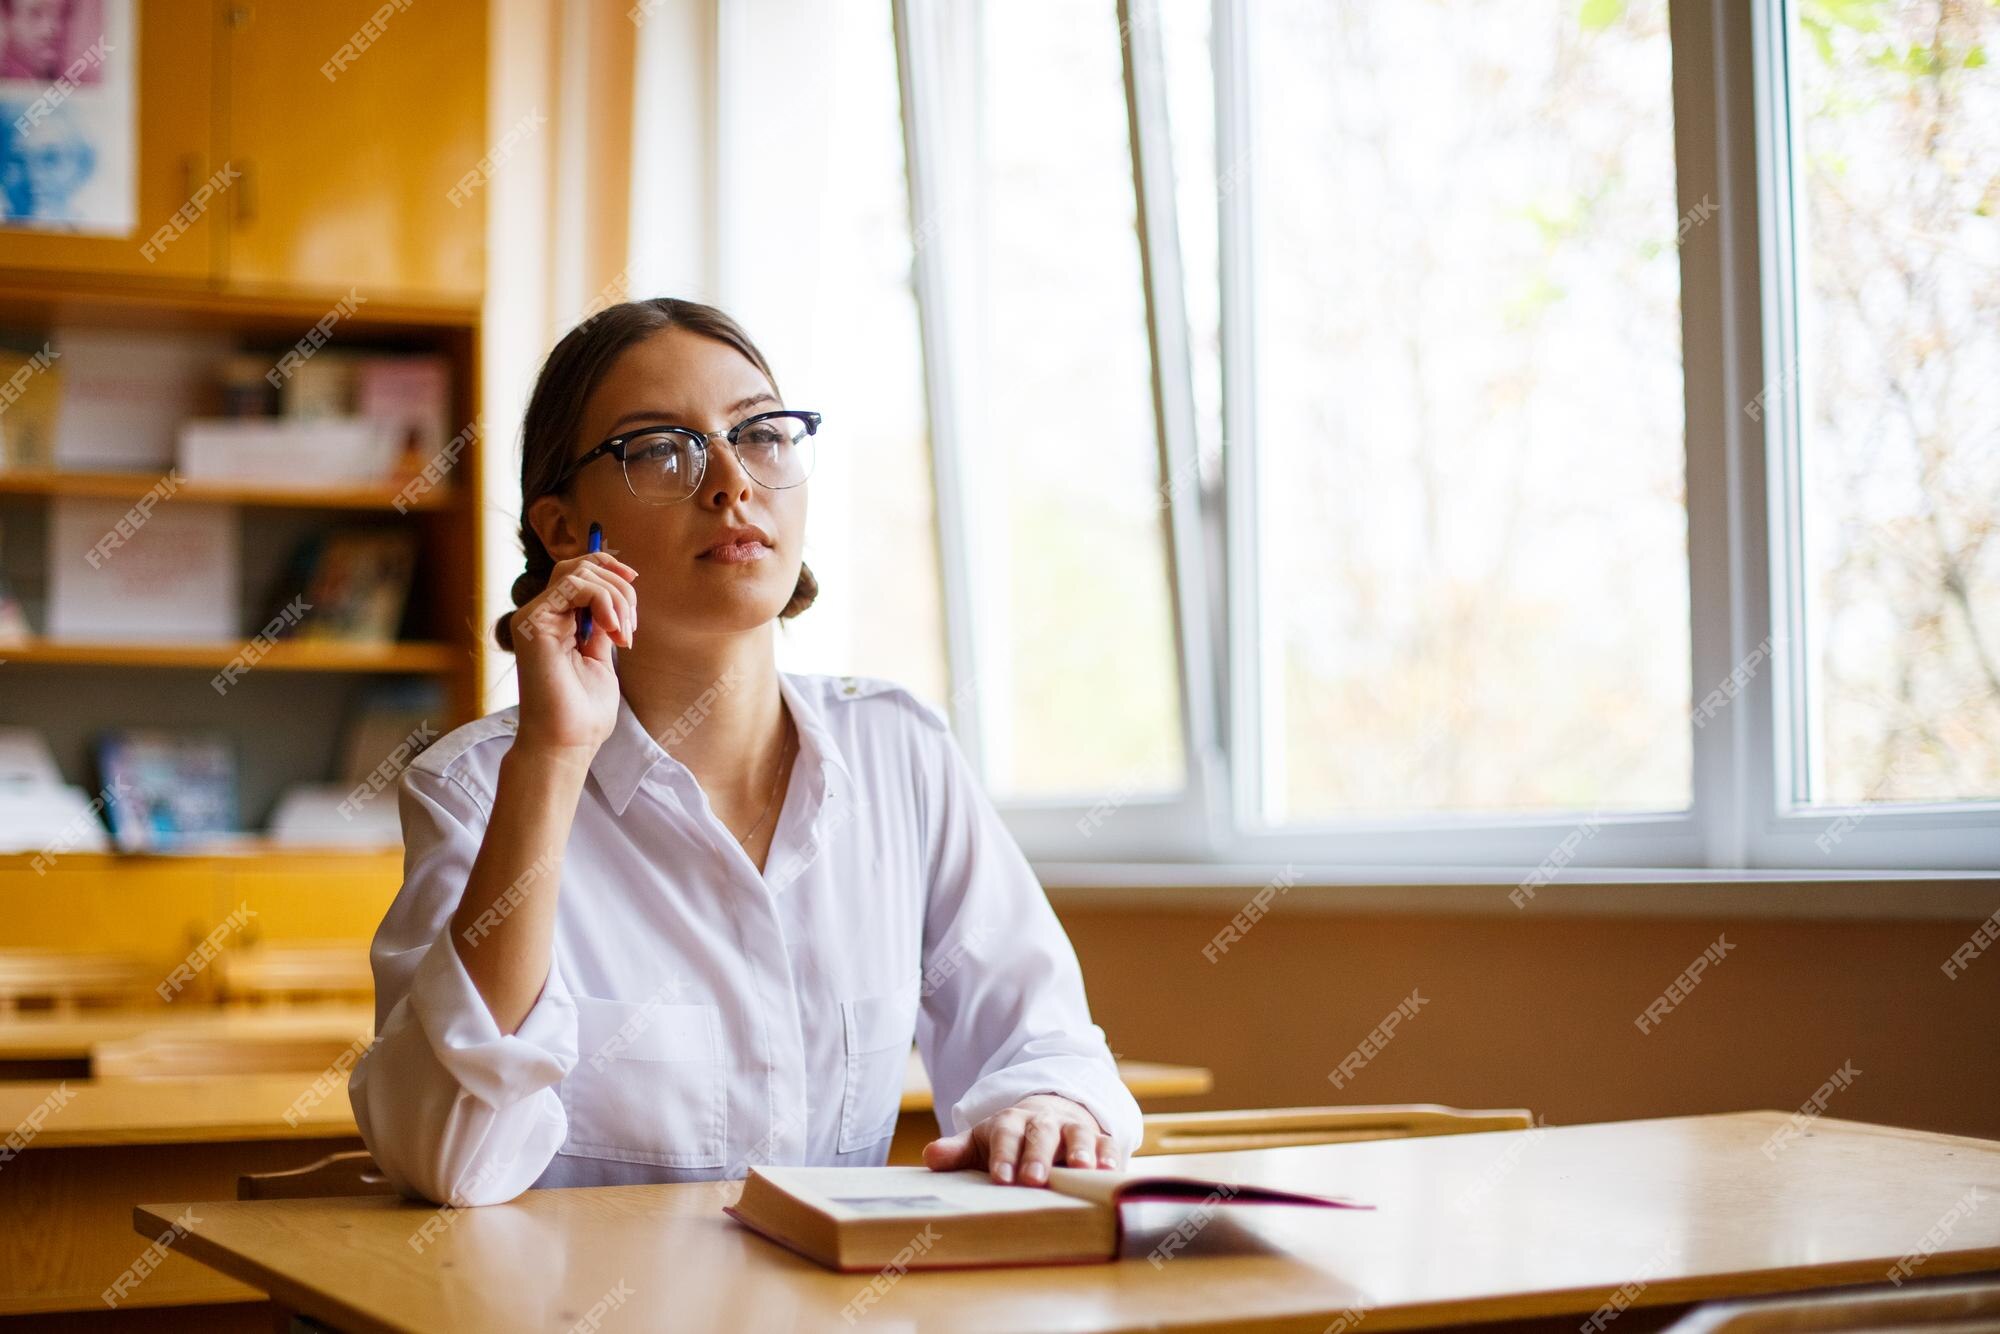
(678, 913)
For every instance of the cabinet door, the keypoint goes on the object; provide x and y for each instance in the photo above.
(173, 65)
(354, 123)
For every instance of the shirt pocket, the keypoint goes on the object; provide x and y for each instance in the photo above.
(878, 1031)
(649, 1084)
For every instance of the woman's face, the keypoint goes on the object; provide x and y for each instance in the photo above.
(699, 571)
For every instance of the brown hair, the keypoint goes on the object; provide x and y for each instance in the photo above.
(555, 414)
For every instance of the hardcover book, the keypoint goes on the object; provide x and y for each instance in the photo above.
(862, 1218)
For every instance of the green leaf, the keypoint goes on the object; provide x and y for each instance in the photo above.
(1860, 15)
(1532, 301)
(1597, 15)
(1915, 61)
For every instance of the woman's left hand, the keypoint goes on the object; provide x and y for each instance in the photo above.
(1020, 1143)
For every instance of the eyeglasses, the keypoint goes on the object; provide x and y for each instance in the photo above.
(664, 464)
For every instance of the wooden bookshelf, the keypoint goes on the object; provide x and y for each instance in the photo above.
(132, 485)
(288, 715)
(40, 297)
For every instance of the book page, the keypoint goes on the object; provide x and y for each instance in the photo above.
(1104, 1188)
(910, 1192)
(1088, 1183)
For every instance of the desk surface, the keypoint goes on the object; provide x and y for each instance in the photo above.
(1507, 1224)
(254, 1107)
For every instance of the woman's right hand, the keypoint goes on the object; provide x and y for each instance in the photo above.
(569, 694)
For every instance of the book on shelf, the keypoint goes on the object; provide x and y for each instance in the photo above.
(282, 451)
(244, 386)
(26, 762)
(320, 386)
(31, 380)
(348, 419)
(321, 815)
(356, 586)
(167, 572)
(13, 615)
(51, 821)
(863, 1218)
(164, 790)
(38, 811)
(124, 396)
(387, 728)
(411, 396)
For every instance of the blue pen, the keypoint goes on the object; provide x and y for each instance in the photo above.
(583, 617)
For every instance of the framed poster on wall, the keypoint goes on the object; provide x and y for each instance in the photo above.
(68, 156)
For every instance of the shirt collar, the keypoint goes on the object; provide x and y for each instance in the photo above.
(629, 754)
(625, 758)
(814, 738)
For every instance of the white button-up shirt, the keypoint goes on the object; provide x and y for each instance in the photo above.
(701, 1017)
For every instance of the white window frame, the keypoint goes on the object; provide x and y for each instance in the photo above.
(1732, 144)
(1111, 826)
(1581, 839)
(1784, 831)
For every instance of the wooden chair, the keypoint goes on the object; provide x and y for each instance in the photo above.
(54, 981)
(295, 970)
(161, 1053)
(352, 1173)
(1945, 1306)
(1278, 1127)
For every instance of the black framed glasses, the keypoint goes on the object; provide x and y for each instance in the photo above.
(664, 464)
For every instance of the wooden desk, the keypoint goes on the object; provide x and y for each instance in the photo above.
(66, 1039)
(1511, 1224)
(236, 1108)
(65, 1202)
(95, 1113)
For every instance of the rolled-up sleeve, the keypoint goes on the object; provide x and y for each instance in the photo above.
(1004, 1013)
(454, 1110)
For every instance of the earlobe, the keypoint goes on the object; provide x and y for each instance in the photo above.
(549, 517)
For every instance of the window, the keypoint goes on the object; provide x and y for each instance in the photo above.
(1896, 132)
(1073, 676)
(1408, 434)
(815, 203)
(1469, 536)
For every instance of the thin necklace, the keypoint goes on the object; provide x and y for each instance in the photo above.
(784, 746)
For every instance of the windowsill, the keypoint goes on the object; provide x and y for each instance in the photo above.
(1968, 896)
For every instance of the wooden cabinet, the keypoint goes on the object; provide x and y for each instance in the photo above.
(160, 907)
(354, 135)
(353, 125)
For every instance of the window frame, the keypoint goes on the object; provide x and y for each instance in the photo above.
(1962, 835)
(1733, 137)
(1517, 843)
(1108, 826)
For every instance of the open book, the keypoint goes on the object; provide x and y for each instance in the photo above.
(913, 1218)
